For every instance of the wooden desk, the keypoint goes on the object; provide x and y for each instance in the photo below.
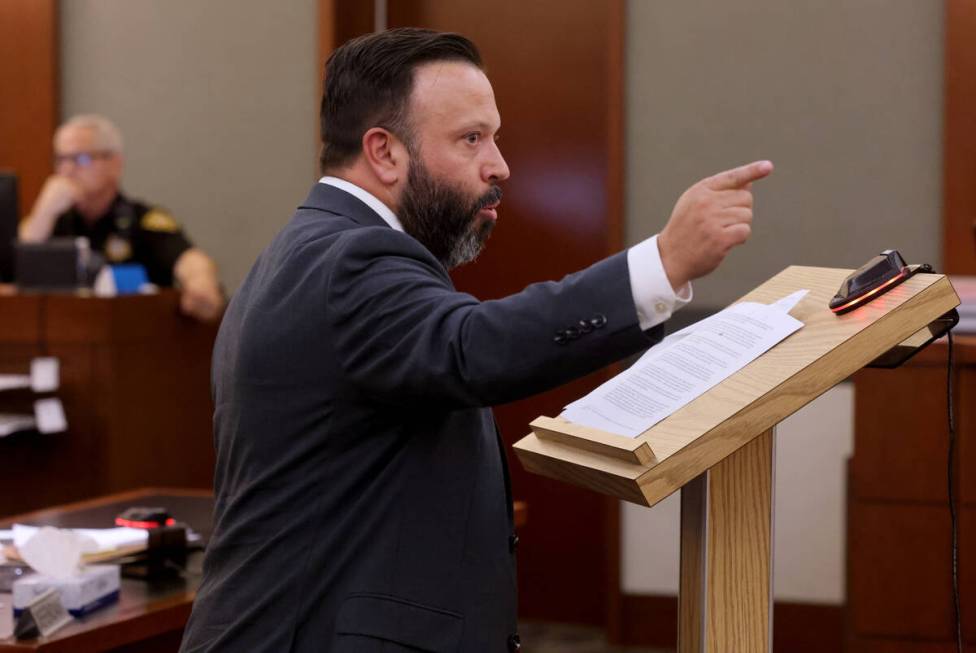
(135, 383)
(149, 617)
(898, 533)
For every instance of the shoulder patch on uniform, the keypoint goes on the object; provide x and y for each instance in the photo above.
(159, 220)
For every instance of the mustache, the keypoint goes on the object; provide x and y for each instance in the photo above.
(493, 196)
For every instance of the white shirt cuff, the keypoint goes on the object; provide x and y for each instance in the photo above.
(654, 298)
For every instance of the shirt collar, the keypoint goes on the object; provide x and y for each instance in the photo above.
(366, 198)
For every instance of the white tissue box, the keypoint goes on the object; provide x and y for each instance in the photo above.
(95, 586)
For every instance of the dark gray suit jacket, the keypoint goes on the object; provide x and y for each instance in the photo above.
(362, 496)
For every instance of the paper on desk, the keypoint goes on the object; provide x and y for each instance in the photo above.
(14, 381)
(49, 416)
(684, 366)
(93, 540)
(11, 423)
(44, 376)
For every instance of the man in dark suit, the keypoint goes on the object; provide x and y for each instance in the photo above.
(362, 494)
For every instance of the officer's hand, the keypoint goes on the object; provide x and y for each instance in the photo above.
(709, 219)
(58, 194)
(202, 299)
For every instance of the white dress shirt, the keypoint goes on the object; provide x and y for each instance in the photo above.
(654, 298)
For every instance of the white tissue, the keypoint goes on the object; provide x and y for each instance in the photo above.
(52, 551)
(88, 540)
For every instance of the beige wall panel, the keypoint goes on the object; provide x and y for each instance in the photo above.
(845, 96)
(217, 102)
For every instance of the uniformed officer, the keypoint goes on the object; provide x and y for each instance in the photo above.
(82, 198)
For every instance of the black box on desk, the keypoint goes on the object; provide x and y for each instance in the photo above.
(56, 264)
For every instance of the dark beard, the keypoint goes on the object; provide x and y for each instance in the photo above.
(443, 218)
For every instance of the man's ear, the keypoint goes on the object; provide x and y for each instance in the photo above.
(385, 155)
(116, 164)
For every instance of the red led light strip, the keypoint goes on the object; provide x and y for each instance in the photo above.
(142, 524)
(864, 298)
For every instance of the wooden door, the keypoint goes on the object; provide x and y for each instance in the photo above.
(29, 87)
(959, 138)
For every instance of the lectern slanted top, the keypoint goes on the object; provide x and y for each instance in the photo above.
(827, 350)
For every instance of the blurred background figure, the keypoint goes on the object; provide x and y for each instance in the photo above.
(83, 198)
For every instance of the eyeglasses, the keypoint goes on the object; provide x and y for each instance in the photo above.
(82, 159)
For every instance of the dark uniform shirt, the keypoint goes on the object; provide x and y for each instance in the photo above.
(131, 232)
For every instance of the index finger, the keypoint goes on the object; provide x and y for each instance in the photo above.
(739, 177)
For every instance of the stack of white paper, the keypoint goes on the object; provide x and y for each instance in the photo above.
(44, 376)
(684, 366)
(90, 540)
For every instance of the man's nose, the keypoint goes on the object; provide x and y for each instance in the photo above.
(495, 168)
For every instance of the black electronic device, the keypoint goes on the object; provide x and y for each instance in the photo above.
(166, 545)
(871, 280)
(145, 517)
(899, 355)
(55, 264)
(9, 218)
(875, 278)
(164, 557)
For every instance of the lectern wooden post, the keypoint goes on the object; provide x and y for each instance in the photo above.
(718, 449)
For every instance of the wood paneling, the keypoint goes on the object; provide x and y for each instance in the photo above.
(869, 645)
(965, 412)
(29, 88)
(900, 571)
(901, 434)
(22, 321)
(959, 139)
(135, 388)
(967, 572)
(351, 18)
(898, 549)
(797, 627)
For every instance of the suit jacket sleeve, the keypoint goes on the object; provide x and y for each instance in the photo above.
(403, 334)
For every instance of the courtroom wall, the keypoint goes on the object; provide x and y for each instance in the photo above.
(218, 103)
(845, 97)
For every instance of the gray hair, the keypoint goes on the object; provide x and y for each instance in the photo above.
(107, 135)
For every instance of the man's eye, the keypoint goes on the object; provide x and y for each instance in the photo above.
(473, 138)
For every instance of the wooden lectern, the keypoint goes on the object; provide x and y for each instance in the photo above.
(718, 449)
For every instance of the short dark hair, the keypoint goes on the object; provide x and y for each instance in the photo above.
(368, 81)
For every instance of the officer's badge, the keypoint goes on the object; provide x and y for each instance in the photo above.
(158, 220)
(117, 249)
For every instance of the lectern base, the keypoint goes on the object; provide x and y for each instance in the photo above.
(725, 593)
